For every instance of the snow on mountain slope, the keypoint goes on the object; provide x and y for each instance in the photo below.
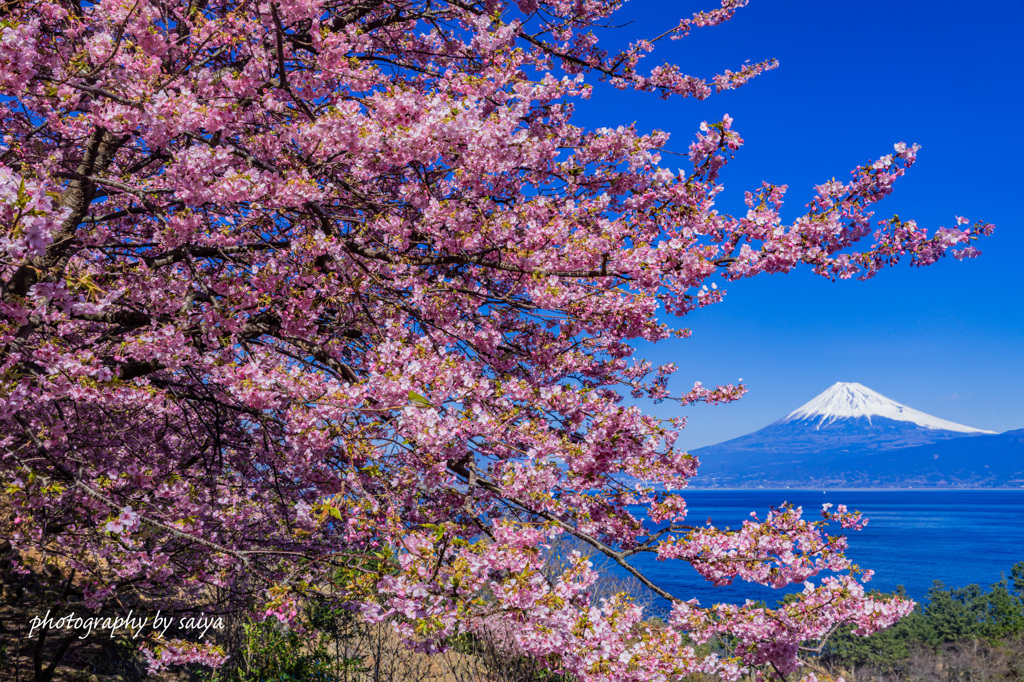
(850, 400)
(851, 436)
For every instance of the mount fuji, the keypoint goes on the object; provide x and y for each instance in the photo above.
(851, 436)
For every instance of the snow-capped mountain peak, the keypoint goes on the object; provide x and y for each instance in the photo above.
(850, 400)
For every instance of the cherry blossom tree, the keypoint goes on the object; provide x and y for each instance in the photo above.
(306, 285)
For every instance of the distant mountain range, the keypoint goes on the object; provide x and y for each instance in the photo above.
(852, 437)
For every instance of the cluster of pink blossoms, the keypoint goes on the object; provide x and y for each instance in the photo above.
(293, 290)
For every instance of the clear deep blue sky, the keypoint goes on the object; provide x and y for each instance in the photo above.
(853, 79)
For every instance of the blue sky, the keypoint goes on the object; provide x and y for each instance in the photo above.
(853, 79)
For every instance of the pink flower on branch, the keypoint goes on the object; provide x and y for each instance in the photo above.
(318, 289)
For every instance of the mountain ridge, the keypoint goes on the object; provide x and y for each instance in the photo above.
(852, 436)
(851, 400)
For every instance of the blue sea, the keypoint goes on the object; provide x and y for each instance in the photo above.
(913, 538)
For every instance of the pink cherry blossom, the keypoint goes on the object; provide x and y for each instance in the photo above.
(294, 287)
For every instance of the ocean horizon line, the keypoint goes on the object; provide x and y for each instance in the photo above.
(879, 489)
